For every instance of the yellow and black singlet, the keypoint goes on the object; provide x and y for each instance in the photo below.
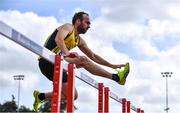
(70, 41)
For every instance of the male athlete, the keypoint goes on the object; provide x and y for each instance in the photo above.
(61, 41)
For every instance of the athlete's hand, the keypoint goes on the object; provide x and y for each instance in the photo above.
(72, 55)
(115, 66)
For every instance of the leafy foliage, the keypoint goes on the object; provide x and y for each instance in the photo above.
(11, 106)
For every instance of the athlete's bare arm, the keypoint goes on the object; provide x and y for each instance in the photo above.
(63, 31)
(96, 58)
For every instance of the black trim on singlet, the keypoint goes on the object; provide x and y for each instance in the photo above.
(68, 35)
(51, 44)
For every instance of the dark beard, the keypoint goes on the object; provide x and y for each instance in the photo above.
(80, 29)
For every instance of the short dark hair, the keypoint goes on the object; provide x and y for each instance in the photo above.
(78, 15)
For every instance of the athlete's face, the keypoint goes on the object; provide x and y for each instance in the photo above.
(84, 25)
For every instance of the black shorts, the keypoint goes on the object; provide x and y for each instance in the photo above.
(47, 69)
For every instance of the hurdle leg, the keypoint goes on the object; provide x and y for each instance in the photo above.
(138, 110)
(124, 105)
(128, 107)
(100, 97)
(142, 111)
(57, 84)
(106, 100)
(70, 89)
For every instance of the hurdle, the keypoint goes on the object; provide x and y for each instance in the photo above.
(103, 92)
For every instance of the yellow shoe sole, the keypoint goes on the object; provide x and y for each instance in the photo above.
(124, 74)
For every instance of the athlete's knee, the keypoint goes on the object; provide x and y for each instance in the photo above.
(83, 60)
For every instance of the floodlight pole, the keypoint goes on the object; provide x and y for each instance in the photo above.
(19, 78)
(167, 75)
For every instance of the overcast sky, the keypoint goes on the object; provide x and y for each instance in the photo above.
(142, 32)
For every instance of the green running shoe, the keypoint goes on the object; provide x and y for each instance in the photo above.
(37, 101)
(123, 74)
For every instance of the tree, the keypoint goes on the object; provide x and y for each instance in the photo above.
(9, 106)
(25, 109)
(46, 107)
(0, 106)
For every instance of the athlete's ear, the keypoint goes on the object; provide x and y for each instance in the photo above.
(78, 21)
